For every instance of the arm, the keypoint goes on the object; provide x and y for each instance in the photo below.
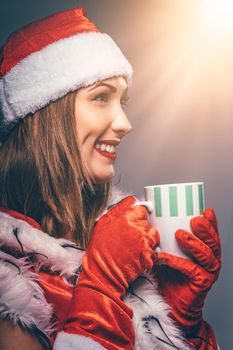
(14, 337)
(120, 249)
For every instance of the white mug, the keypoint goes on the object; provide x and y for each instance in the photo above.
(173, 206)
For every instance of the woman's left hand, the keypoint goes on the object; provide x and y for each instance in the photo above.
(185, 283)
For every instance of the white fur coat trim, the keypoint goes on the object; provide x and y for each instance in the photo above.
(46, 250)
(67, 341)
(21, 298)
(153, 327)
(61, 67)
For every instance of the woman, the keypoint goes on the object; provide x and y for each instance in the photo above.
(74, 257)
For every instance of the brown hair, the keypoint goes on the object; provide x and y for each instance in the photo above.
(42, 174)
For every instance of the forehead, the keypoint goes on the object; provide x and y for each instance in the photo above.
(121, 81)
(118, 82)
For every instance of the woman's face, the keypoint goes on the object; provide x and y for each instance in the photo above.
(101, 124)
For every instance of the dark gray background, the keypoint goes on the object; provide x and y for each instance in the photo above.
(180, 108)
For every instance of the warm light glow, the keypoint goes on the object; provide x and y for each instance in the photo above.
(186, 84)
(217, 16)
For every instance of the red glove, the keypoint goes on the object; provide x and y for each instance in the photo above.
(185, 284)
(120, 249)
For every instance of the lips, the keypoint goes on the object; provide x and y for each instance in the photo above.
(107, 148)
(106, 154)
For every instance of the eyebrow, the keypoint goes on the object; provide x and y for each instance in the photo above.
(111, 87)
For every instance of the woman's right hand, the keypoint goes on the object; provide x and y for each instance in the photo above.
(120, 249)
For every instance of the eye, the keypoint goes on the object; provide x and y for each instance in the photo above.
(102, 97)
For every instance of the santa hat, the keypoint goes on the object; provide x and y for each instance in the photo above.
(45, 60)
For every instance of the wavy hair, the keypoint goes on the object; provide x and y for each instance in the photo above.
(43, 175)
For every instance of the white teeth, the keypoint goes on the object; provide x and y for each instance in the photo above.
(106, 148)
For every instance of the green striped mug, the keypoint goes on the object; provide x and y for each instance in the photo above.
(173, 206)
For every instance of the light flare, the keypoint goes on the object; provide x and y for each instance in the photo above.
(217, 17)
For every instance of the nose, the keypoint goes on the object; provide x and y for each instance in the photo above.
(121, 125)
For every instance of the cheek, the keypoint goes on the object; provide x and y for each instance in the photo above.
(92, 125)
(89, 129)
(91, 120)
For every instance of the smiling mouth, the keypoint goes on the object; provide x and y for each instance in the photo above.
(106, 150)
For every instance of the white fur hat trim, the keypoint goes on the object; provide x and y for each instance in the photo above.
(63, 66)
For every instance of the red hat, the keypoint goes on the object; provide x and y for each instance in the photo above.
(49, 58)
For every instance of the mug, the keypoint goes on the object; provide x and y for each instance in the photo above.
(172, 208)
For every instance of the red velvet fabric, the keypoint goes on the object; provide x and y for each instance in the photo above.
(37, 35)
(205, 338)
(59, 294)
(120, 249)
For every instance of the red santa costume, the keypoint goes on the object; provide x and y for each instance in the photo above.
(29, 250)
(39, 274)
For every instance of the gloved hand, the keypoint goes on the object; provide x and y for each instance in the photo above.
(185, 284)
(120, 249)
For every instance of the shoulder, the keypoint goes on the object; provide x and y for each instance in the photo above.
(22, 300)
(24, 251)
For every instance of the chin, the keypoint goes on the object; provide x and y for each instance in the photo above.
(102, 178)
